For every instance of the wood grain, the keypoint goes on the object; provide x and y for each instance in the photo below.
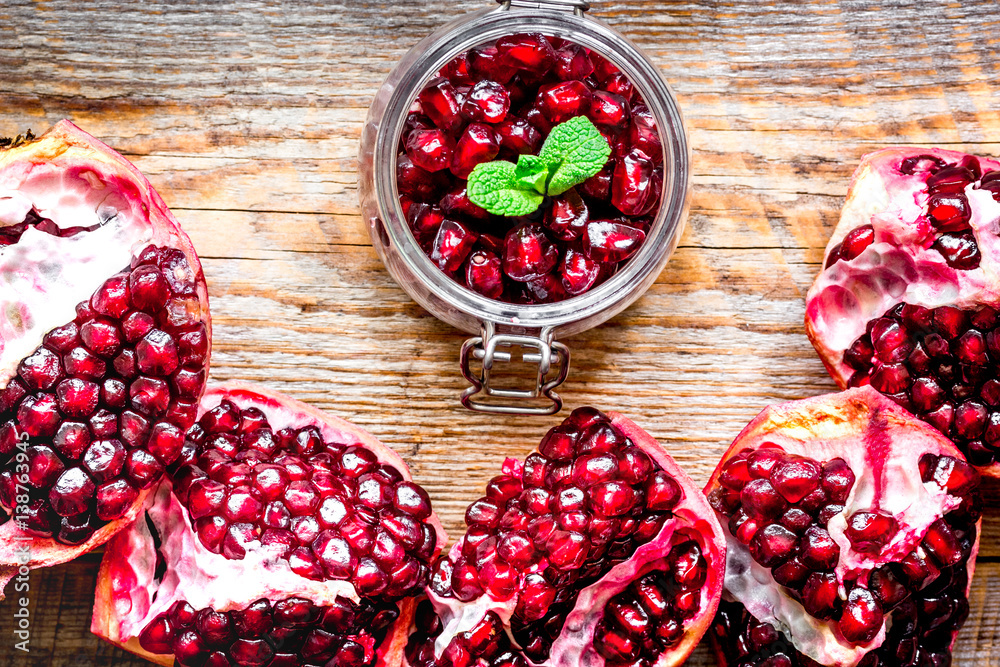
(246, 116)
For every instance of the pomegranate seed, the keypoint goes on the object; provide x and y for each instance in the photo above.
(567, 550)
(608, 241)
(573, 62)
(773, 544)
(519, 136)
(150, 396)
(62, 339)
(457, 203)
(157, 637)
(598, 186)
(484, 274)
(530, 52)
(77, 398)
(819, 595)
(80, 362)
(72, 492)
(959, 251)
(819, 551)
(862, 617)
(114, 498)
(452, 245)
(431, 150)
(608, 110)
(760, 499)
(643, 136)
(485, 62)
(477, 144)
(528, 253)
(40, 371)
(567, 219)
(870, 531)
(487, 102)
(631, 187)
(562, 101)
(440, 102)
(796, 478)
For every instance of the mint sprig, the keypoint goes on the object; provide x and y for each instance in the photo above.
(573, 152)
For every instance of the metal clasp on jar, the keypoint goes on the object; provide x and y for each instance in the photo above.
(576, 6)
(492, 347)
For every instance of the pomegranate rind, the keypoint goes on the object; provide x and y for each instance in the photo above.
(75, 159)
(900, 266)
(126, 584)
(877, 438)
(693, 517)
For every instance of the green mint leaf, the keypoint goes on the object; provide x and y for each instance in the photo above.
(574, 151)
(495, 187)
(532, 173)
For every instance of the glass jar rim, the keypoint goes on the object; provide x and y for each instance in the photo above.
(477, 28)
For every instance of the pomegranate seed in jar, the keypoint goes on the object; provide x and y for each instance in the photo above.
(499, 101)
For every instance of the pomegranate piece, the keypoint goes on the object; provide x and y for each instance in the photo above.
(105, 344)
(596, 543)
(375, 536)
(501, 100)
(882, 525)
(907, 300)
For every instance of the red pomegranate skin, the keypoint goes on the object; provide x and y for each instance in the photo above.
(90, 215)
(881, 464)
(500, 100)
(143, 576)
(916, 246)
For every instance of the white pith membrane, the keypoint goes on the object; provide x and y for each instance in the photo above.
(76, 181)
(129, 596)
(824, 428)
(693, 519)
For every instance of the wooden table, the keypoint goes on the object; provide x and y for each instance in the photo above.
(246, 116)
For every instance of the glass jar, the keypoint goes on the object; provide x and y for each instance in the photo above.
(502, 328)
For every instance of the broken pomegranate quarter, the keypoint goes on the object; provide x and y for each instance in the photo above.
(104, 344)
(852, 531)
(596, 550)
(286, 537)
(907, 302)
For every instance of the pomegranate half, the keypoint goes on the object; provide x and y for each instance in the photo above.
(300, 542)
(852, 532)
(104, 344)
(596, 550)
(907, 301)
